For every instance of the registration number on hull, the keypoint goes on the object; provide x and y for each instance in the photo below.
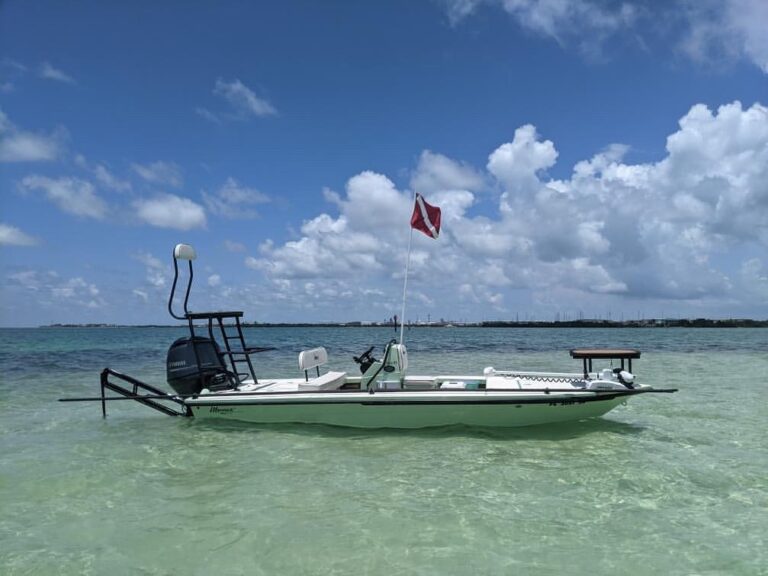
(569, 402)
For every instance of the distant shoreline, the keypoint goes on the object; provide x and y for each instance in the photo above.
(653, 323)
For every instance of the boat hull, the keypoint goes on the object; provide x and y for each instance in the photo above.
(409, 413)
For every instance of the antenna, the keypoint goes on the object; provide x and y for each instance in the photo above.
(181, 252)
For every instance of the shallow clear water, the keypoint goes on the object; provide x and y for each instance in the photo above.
(668, 484)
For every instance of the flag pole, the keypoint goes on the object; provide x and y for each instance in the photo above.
(425, 218)
(405, 281)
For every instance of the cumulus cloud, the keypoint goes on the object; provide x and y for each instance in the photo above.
(208, 115)
(74, 287)
(10, 72)
(149, 260)
(355, 242)
(28, 147)
(233, 200)
(234, 246)
(107, 179)
(716, 168)
(242, 101)
(722, 30)
(712, 30)
(436, 172)
(558, 19)
(648, 232)
(160, 173)
(749, 17)
(103, 175)
(459, 9)
(754, 276)
(18, 145)
(141, 295)
(582, 22)
(71, 195)
(171, 211)
(12, 236)
(516, 164)
(155, 271)
(51, 289)
(48, 72)
(373, 203)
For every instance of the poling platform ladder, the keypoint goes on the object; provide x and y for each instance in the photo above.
(239, 355)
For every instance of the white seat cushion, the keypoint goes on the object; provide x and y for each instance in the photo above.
(309, 359)
(327, 381)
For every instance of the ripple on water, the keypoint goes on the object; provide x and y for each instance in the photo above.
(670, 484)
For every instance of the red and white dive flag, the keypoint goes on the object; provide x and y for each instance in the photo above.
(425, 217)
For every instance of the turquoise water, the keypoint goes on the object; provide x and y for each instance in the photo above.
(668, 484)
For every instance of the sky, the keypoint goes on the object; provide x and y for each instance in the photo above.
(596, 159)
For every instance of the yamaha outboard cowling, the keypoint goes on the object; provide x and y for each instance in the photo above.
(183, 373)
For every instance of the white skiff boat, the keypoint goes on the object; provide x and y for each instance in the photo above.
(385, 396)
(214, 377)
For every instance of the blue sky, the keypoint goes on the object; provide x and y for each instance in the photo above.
(590, 158)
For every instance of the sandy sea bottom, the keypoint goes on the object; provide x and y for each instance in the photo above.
(668, 484)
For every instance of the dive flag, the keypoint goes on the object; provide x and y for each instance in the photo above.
(425, 217)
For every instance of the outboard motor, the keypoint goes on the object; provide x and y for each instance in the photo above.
(184, 374)
(626, 378)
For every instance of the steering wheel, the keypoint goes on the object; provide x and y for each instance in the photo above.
(365, 357)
